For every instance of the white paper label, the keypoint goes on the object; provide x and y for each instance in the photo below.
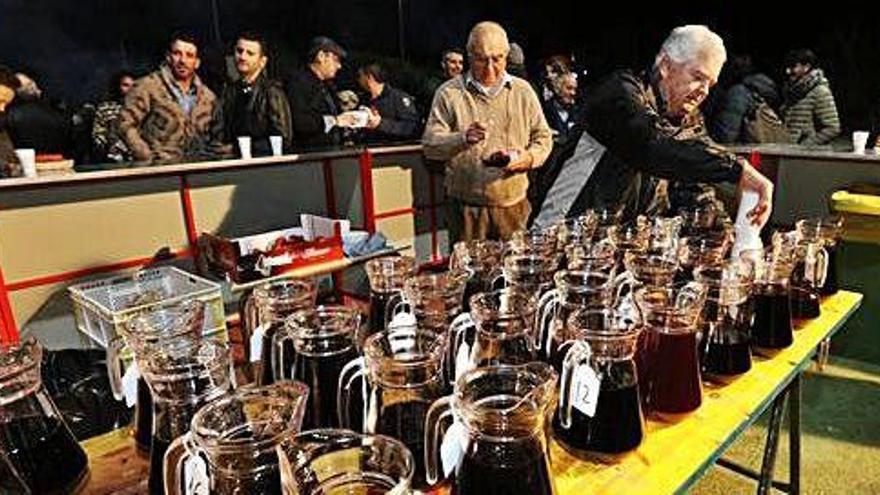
(257, 343)
(130, 384)
(453, 447)
(585, 390)
(195, 476)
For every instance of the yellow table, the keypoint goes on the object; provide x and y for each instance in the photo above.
(671, 458)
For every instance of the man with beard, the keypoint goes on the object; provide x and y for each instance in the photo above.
(255, 105)
(168, 115)
(808, 109)
(637, 129)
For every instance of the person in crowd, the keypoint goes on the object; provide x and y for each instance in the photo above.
(745, 90)
(107, 141)
(33, 121)
(808, 108)
(643, 127)
(9, 165)
(317, 121)
(168, 115)
(488, 127)
(254, 104)
(451, 65)
(516, 62)
(560, 110)
(554, 66)
(393, 114)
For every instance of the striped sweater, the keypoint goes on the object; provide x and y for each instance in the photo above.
(809, 111)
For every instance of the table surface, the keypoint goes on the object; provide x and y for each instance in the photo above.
(670, 459)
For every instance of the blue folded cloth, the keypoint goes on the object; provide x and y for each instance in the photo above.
(359, 243)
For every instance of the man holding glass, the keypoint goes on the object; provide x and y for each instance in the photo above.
(488, 127)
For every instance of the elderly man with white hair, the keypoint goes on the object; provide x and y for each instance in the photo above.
(637, 128)
(488, 127)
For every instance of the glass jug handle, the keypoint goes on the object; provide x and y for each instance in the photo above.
(279, 354)
(548, 311)
(179, 453)
(355, 369)
(578, 354)
(396, 304)
(458, 330)
(251, 318)
(114, 369)
(497, 280)
(439, 413)
(816, 265)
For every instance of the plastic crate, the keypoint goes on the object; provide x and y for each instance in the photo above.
(101, 307)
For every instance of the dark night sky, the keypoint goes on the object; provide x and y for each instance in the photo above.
(73, 45)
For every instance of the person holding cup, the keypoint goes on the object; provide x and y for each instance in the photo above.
(255, 106)
(9, 164)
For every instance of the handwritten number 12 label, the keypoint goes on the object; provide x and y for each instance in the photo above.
(585, 390)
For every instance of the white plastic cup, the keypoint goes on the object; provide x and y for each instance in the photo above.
(28, 159)
(277, 145)
(244, 146)
(860, 141)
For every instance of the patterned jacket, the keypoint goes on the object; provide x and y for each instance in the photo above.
(809, 111)
(106, 134)
(155, 126)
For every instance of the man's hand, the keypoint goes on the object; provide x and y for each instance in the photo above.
(475, 133)
(751, 179)
(522, 163)
(374, 120)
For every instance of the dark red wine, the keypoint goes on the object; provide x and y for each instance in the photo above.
(727, 351)
(267, 376)
(616, 427)
(266, 481)
(143, 426)
(378, 308)
(831, 284)
(503, 468)
(675, 373)
(44, 453)
(805, 304)
(321, 374)
(405, 421)
(156, 483)
(772, 324)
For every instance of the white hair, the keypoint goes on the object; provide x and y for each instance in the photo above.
(688, 43)
(487, 29)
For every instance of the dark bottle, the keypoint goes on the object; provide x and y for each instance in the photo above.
(772, 327)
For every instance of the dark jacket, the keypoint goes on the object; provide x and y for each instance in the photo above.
(633, 142)
(36, 123)
(9, 166)
(551, 109)
(400, 118)
(258, 110)
(809, 111)
(310, 100)
(726, 125)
